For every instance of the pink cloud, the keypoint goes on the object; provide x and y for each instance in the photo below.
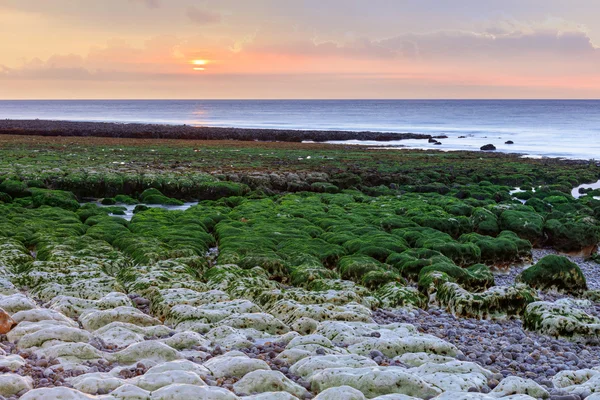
(202, 17)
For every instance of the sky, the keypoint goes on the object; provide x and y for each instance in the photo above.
(286, 49)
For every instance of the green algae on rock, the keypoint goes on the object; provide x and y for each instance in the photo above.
(555, 272)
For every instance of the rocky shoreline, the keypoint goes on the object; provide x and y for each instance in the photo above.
(157, 131)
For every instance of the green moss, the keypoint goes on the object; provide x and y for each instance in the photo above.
(555, 272)
(5, 197)
(506, 248)
(124, 199)
(54, 198)
(154, 196)
(573, 233)
(14, 188)
(527, 224)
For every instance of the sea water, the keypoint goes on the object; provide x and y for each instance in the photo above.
(552, 128)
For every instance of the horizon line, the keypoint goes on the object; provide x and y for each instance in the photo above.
(310, 99)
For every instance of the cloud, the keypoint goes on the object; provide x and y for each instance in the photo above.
(148, 3)
(202, 17)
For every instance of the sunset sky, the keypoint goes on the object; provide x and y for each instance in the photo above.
(212, 49)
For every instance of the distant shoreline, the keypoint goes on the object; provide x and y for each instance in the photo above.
(159, 131)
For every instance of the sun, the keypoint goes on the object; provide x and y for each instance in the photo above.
(199, 62)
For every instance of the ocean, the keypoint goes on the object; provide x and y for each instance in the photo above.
(551, 128)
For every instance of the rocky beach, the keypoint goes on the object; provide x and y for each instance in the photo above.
(138, 268)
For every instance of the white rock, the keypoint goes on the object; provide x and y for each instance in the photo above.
(417, 359)
(94, 382)
(42, 314)
(92, 320)
(191, 392)
(130, 392)
(310, 365)
(16, 302)
(59, 393)
(515, 385)
(261, 381)
(11, 384)
(12, 362)
(149, 350)
(180, 365)
(53, 335)
(341, 393)
(374, 381)
(270, 396)
(234, 364)
(156, 380)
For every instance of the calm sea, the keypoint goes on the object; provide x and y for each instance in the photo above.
(557, 128)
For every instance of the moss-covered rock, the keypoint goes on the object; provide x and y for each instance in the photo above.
(506, 248)
(393, 295)
(555, 272)
(154, 196)
(527, 224)
(496, 302)
(54, 198)
(475, 278)
(563, 318)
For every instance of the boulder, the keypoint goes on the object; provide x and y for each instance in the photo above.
(555, 272)
(487, 147)
(6, 322)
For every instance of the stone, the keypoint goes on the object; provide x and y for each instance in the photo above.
(234, 364)
(11, 362)
(374, 381)
(6, 322)
(516, 385)
(266, 381)
(152, 381)
(92, 320)
(11, 384)
(308, 366)
(561, 318)
(305, 326)
(97, 382)
(270, 396)
(340, 393)
(192, 392)
(488, 147)
(149, 350)
(130, 392)
(53, 335)
(61, 393)
(16, 302)
(417, 359)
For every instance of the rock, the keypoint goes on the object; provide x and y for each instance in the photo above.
(515, 385)
(234, 364)
(270, 396)
(264, 381)
(495, 302)
(374, 381)
(6, 322)
(305, 326)
(94, 383)
(310, 365)
(509, 142)
(92, 320)
(555, 272)
(487, 147)
(130, 392)
(192, 392)
(61, 393)
(15, 303)
(11, 384)
(11, 362)
(417, 359)
(454, 375)
(149, 350)
(341, 393)
(561, 318)
(152, 381)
